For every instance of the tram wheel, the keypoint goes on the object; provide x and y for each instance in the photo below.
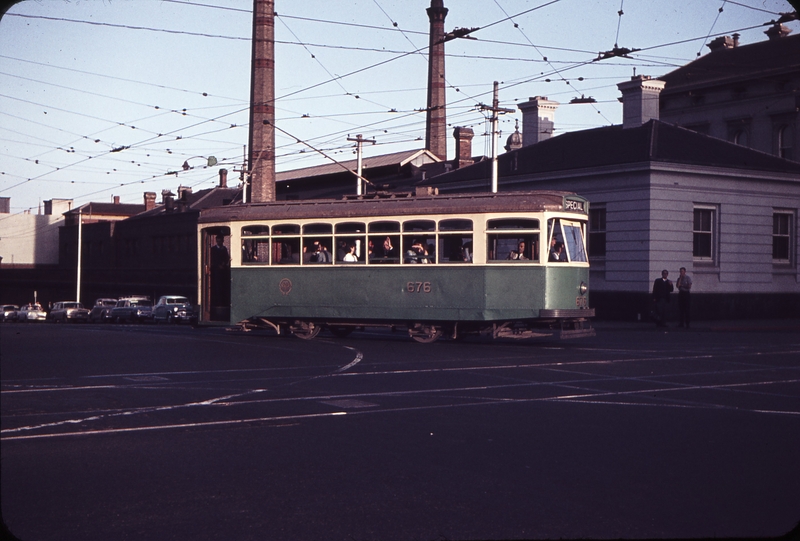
(425, 334)
(305, 329)
(340, 331)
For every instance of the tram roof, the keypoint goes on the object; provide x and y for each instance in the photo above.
(391, 205)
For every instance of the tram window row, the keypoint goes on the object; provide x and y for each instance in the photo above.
(414, 241)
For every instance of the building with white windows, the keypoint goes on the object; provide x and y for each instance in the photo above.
(664, 197)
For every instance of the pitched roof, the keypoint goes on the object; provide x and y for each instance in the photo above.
(744, 62)
(107, 209)
(397, 158)
(654, 141)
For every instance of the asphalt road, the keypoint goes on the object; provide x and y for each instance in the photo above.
(156, 432)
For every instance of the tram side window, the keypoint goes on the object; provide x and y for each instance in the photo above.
(513, 239)
(419, 239)
(317, 243)
(286, 244)
(513, 247)
(455, 248)
(455, 241)
(255, 251)
(384, 249)
(351, 245)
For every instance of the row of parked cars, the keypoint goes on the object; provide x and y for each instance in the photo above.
(168, 309)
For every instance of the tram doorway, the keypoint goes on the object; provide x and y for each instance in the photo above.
(216, 274)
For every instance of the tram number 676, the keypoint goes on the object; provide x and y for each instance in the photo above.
(418, 287)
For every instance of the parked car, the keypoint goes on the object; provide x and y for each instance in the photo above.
(9, 312)
(64, 311)
(31, 312)
(173, 308)
(132, 309)
(101, 311)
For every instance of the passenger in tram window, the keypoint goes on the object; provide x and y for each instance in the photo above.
(341, 250)
(350, 256)
(321, 253)
(519, 253)
(466, 251)
(557, 254)
(388, 249)
(308, 257)
(417, 253)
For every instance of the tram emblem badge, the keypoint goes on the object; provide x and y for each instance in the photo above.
(285, 286)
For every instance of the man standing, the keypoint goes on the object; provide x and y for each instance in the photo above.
(662, 288)
(684, 299)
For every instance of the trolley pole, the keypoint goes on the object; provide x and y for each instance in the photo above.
(359, 140)
(496, 110)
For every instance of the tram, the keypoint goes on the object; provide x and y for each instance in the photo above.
(508, 265)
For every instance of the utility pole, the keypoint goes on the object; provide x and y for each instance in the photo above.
(80, 239)
(359, 140)
(496, 110)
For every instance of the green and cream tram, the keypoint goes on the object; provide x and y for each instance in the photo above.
(508, 265)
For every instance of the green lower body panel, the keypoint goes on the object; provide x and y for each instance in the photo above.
(433, 293)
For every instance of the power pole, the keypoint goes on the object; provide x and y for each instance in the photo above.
(359, 140)
(496, 110)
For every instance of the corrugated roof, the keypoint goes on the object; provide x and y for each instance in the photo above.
(397, 158)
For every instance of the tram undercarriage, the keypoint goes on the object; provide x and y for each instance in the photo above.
(427, 332)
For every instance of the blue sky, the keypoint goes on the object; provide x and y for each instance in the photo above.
(109, 97)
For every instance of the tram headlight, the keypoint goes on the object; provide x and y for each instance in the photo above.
(584, 288)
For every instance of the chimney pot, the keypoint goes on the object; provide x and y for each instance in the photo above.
(463, 146)
(116, 200)
(149, 200)
(538, 119)
(223, 178)
(640, 100)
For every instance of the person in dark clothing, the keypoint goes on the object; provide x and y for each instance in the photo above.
(684, 285)
(662, 288)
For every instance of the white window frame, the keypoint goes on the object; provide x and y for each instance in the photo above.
(789, 234)
(713, 233)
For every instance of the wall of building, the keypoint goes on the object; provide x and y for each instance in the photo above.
(29, 239)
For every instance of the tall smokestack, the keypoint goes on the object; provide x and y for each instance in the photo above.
(436, 123)
(262, 104)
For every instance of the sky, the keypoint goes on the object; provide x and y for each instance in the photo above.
(104, 98)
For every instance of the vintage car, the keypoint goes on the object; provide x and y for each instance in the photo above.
(64, 311)
(101, 311)
(8, 312)
(31, 312)
(132, 309)
(173, 308)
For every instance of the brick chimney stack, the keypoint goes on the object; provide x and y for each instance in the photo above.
(463, 146)
(223, 178)
(149, 200)
(538, 119)
(116, 200)
(436, 122)
(640, 100)
(262, 104)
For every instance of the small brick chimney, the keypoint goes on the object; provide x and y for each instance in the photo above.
(777, 31)
(640, 100)
(116, 200)
(223, 178)
(463, 146)
(149, 200)
(538, 119)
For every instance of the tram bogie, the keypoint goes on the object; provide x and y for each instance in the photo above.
(436, 266)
